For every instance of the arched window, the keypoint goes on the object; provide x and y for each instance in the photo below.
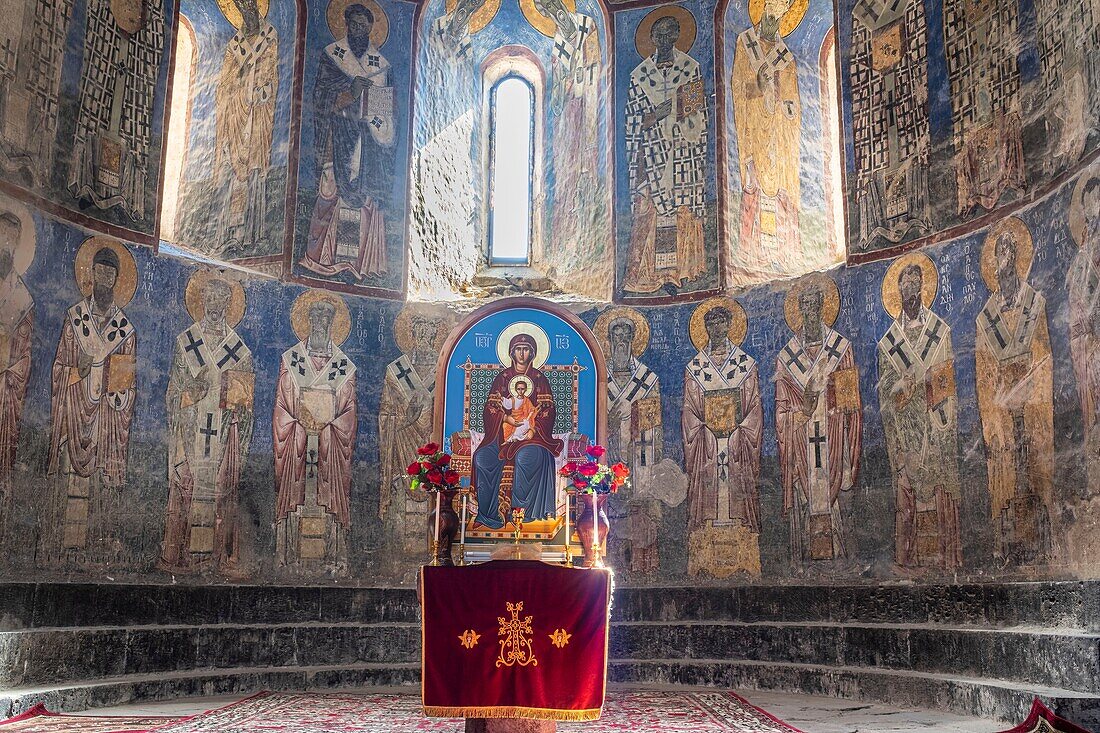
(179, 127)
(511, 170)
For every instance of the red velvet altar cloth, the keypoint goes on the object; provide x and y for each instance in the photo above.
(514, 639)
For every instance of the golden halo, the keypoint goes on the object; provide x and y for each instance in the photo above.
(299, 315)
(402, 328)
(739, 325)
(125, 284)
(339, 27)
(229, 10)
(520, 378)
(23, 255)
(891, 295)
(830, 307)
(481, 17)
(790, 20)
(542, 343)
(544, 24)
(688, 28)
(641, 329)
(1025, 250)
(196, 306)
(1077, 206)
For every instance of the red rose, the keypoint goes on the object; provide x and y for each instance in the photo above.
(435, 476)
(620, 470)
(451, 477)
(426, 465)
(444, 459)
(580, 483)
(596, 451)
(589, 469)
(427, 450)
(568, 468)
(413, 469)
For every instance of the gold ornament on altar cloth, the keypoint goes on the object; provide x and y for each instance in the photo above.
(515, 638)
(560, 638)
(469, 638)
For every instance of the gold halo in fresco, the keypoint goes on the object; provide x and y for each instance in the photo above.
(299, 315)
(891, 294)
(23, 255)
(1077, 206)
(481, 17)
(195, 302)
(403, 333)
(544, 24)
(542, 343)
(603, 327)
(790, 20)
(644, 43)
(738, 324)
(233, 15)
(1025, 250)
(830, 306)
(339, 27)
(125, 283)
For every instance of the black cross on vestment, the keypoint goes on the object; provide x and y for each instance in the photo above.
(995, 322)
(562, 50)
(338, 369)
(405, 375)
(897, 348)
(208, 432)
(644, 445)
(816, 442)
(833, 349)
(752, 45)
(637, 383)
(373, 60)
(794, 358)
(230, 353)
(193, 346)
(297, 361)
(723, 465)
(932, 339)
(311, 463)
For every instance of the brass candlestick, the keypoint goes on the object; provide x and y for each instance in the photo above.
(517, 520)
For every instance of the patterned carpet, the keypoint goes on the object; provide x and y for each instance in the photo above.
(39, 720)
(637, 712)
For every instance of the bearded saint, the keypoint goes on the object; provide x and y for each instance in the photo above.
(16, 327)
(534, 476)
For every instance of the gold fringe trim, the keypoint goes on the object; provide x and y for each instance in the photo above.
(436, 711)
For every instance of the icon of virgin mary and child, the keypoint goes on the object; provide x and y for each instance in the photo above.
(519, 418)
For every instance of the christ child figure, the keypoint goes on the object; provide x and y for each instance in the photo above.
(519, 411)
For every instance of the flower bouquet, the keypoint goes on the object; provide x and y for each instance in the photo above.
(431, 473)
(593, 482)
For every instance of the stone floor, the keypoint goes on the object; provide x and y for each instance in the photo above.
(809, 714)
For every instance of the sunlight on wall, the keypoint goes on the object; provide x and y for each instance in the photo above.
(178, 128)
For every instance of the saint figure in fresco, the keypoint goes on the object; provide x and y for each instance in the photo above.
(451, 31)
(93, 395)
(534, 476)
(576, 72)
(353, 112)
(33, 36)
(666, 154)
(767, 113)
(1015, 383)
(211, 388)
(16, 329)
(818, 420)
(405, 424)
(888, 73)
(245, 120)
(124, 41)
(919, 408)
(1084, 316)
(722, 423)
(1068, 34)
(980, 40)
(635, 436)
(314, 426)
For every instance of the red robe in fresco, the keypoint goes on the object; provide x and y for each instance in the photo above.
(16, 327)
(819, 452)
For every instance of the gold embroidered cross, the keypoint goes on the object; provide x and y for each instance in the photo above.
(469, 638)
(560, 638)
(515, 638)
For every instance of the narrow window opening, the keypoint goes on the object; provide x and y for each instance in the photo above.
(511, 165)
(179, 128)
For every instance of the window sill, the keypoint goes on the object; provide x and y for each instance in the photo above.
(517, 277)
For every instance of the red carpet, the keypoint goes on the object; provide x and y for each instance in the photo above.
(636, 712)
(40, 720)
(1043, 720)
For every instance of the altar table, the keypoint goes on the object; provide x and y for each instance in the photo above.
(514, 639)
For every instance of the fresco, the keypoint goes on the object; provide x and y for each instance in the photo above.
(86, 141)
(352, 173)
(773, 154)
(238, 148)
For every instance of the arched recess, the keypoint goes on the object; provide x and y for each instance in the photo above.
(234, 131)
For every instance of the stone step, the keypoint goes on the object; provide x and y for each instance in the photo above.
(1024, 655)
(51, 656)
(125, 689)
(986, 698)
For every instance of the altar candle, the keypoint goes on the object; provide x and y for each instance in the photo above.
(567, 513)
(438, 511)
(595, 533)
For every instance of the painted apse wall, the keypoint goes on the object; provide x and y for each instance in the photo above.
(160, 418)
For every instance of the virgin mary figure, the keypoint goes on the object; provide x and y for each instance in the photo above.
(532, 458)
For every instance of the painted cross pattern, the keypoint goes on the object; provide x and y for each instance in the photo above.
(833, 348)
(231, 353)
(337, 368)
(374, 61)
(83, 321)
(817, 440)
(700, 369)
(377, 122)
(339, 52)
(209, 432)
(738, 365)
(118, 329)
(563, 50)
(297, 361)
(311, 463)
(404, 374)
(898, 349)
(793, 358)
(639, 382)
(931, 339)
(194, 347)
(995, 323)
